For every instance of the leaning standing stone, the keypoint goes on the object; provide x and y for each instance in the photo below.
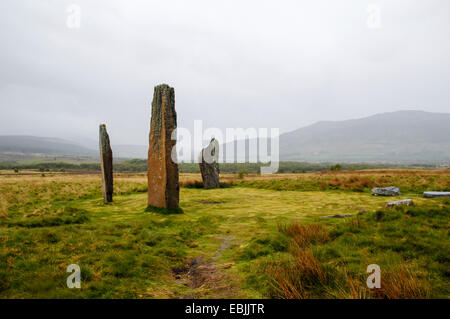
(163, 188)
(209, 165)
(106, 164)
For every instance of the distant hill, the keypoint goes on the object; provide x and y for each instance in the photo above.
(398, 137)
(404, 137)
(22, 144)
(13, 147)
(130, 151)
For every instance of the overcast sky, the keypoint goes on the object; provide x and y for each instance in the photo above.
(282, 64)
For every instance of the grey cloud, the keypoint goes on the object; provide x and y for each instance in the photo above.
(255, 63)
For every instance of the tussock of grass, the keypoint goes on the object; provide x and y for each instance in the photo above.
(402, 282)
(305, 235)
(397, 240)
(304, 274)
(300, 278)
(399, 280)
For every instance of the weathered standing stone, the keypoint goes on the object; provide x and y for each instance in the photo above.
(163, 187)
(407, 202)
(435, 194)
(385, 191)
(106, 163)
(209, 165)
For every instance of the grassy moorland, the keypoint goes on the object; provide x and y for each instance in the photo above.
(259, 237)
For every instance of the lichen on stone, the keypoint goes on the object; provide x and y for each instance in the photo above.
(104, 138)
(161, 91)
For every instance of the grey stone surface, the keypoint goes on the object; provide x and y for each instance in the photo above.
(209, 165)
(435, 194)
(407, 202)
(163, 184)
(106, 164)
(386, 191)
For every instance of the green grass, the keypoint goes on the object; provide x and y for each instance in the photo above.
(411, 238)
(126, 251)
(408, 181)
(162, 210)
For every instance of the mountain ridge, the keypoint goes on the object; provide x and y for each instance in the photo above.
(402, 136)
(29, 144)
(391, 137)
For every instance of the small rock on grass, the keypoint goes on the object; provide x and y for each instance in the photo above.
(407, 202)
(386, 191)
(435, 194)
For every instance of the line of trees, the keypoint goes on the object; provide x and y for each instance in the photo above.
(140, 165)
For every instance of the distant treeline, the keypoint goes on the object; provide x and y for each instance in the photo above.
(140, 165)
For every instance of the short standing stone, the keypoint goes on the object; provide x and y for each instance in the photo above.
(407, 202)
(435, 194)
(209, 165)
(163, 187)
(106, 164)
(385, 191)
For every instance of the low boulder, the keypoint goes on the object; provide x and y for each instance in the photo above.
(386, 191)
(435, 194)
(407, 202)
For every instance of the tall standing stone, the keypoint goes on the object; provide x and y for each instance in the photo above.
(163, 187)
(209, 165)
(106, 163)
